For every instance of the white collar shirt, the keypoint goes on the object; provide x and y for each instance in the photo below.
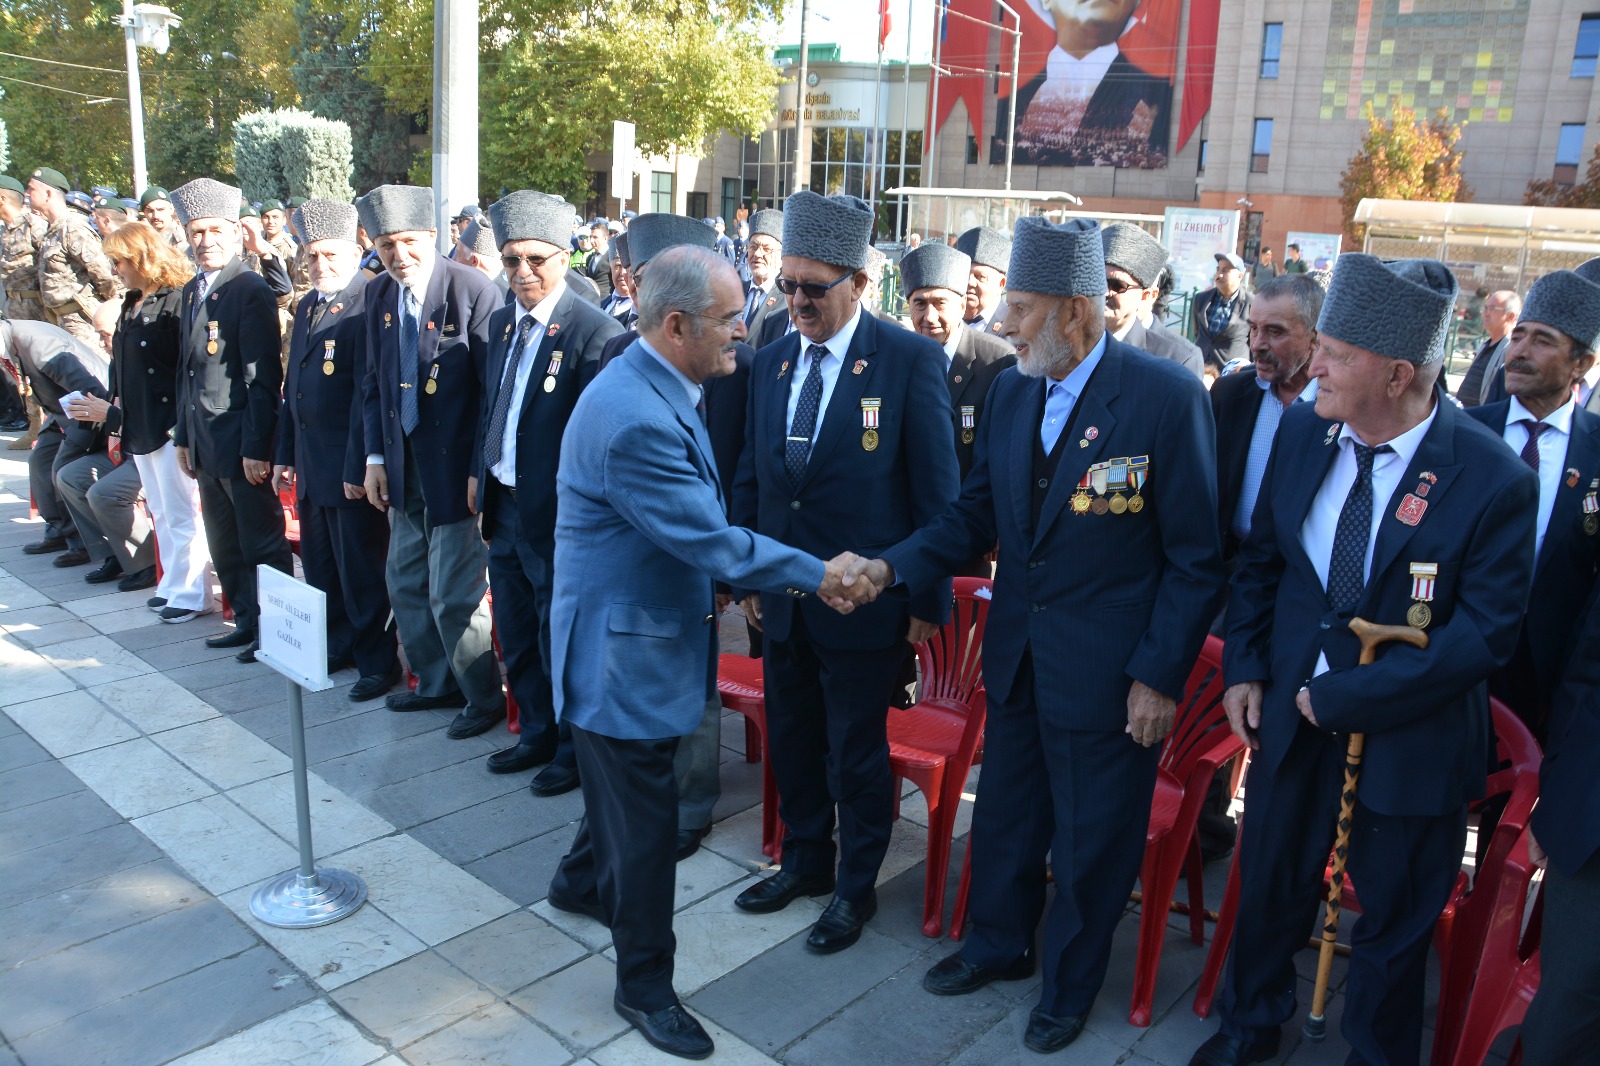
(505, 471)
(837, 345)
(1552, 455)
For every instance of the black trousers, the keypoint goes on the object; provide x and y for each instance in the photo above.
(1081, 797)
(624, 857)
(520, 580)
(342, 550)
(244, 528)
(1402, 866)
(1563, 1022)
(827, 711)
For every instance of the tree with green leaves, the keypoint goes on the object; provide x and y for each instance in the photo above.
(1403, 158)
(1585, 193)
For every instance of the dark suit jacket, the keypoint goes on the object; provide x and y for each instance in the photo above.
(578, 330)
(144, 371)
(727, 403)
(453, 337)
(1101, 600)
(1163, 345)
(852, 498)
(1234, 340)
(1564, 572)
(1235, 402)
(228, 401)
(771, 304)
(774, 323)
(1593, 406)
(979, 359)
(1111, 110)
(1567, 820)
(321, 435)
(1425, 711)
(1479, 379)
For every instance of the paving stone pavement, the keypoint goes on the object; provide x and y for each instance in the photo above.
(145, 793)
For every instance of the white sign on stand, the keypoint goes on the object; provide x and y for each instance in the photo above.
(1194, 235)
(622, 159)
(293, 629)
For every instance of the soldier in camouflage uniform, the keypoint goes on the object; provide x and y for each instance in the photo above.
(74, 275)
(277, 233)
(155, 207)
(19, 253)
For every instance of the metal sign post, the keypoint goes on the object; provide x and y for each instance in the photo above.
(293, 630)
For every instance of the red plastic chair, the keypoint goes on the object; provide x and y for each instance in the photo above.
(935, 742)
(1508, 966)
(513, 715)
(291, 518)
(742, 687)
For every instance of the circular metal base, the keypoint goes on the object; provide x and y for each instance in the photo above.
(297, 902)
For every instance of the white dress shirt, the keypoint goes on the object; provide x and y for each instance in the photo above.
(505, 471)
(832, 363)
(1552, 454)
(419, 289)
(950, 345)
(1586, 384)
(1069, 79)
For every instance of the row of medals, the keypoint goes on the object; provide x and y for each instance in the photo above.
(1099, 475)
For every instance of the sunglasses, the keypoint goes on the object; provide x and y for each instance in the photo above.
(1117, 285)
(788, 286)
(513, 263)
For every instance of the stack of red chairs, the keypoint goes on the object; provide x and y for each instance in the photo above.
(742, 687)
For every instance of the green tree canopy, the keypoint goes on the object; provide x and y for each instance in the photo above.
(1403, 158)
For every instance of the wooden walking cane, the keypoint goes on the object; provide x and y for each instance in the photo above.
(1371, 636)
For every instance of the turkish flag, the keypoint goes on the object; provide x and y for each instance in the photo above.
(883, 23)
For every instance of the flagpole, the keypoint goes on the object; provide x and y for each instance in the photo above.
(876, 167)
(930, 161)
(905, 126)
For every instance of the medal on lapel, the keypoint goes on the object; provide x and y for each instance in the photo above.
(784, 369)
(1138, 474)
(211, 338)
(969, 419)
(1117, 479)
(1591, 509)
(869, 423)
(861, 364)
(1333, 431)
(433, 381)
(388, 320)
(552, 370)
(1080, 498)
(335, 309)
(1411, 509)
(327, 356)
(1423, 576)
(1099, 478)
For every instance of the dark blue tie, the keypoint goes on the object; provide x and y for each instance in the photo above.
(797, 449)
(1348, 564)
(494, 441)
(410, 310)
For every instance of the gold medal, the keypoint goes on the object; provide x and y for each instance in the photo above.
(1591, 524)
(431, 387)
(327, 368)
(1419, 615)
(1100, 506)
(1118, 504)
(211, 347)
(869, 440)
(211, 338)
(967, 436)
(1135, 504)
(550, 384)
(1080, 503)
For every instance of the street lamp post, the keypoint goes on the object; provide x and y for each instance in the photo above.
(143, 26)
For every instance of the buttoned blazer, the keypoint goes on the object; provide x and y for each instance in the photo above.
(578, 330)
(321, 433)
(228, 399)
(145, 353)
(640, 537)
(1235, 403)
(851, 497)
(1099, 600)
(979, 358)
(1424, 711)
(452, 345)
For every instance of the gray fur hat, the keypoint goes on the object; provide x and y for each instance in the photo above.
(396, 209)
(324, 220)
(619, 248)
(1589, 270)
(986, 247)
(769, 222)
(1568, 301)
(205, 198)
(875, 263)
(830, 229)
(651, 234)
(1399, 309)
(934, 266)
(1057, 260)
(478, 235)
(1130, 248)
(526, 215)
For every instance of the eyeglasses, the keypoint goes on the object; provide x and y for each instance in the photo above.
(1117, 285)
(721, 323)
(514, 263)
(788, 286)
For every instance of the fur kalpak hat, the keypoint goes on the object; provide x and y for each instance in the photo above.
(934, 266)
(531, 216)
(205, 198)
(830, 229)
(1399, 309)
(1568, 301)
(1057, 260)
(396, 209)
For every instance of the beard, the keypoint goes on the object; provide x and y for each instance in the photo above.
(1048, 353)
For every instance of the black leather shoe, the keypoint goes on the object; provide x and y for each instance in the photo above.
(671, 1029)
(413, 701)
(521, 756)
(780, 890)
(75, 557)
(45, 546)
(371, 686)
(139, 579)
(15, 425)
(841, 924)
(248, 655)
(955, 976)
(1225, 1050)
(554, 780)
(586, 907)
(339, 662)
(110, 570)
(1047, 1033)
(470, 724)
(689, 841)
(234, 638)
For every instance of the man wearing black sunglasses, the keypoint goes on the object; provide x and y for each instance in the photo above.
(848, 447)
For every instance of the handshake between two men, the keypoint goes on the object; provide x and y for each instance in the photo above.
(847, 582)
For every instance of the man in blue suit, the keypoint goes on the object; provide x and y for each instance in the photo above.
(1383, 503)
(1093, 468)
(848, 446)
(544, 349)
(640, 537)
(427, 339)
(1552, 347)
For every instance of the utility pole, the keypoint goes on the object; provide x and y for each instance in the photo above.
(148, 26)
(802, 160)
(455, 111)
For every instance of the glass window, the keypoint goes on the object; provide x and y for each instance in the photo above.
(1261, 147)
(1569, 153)
(730, 199)
(1271, 49)
(661, 191)
(699, 205)
(1585, 55)
(1205, 150)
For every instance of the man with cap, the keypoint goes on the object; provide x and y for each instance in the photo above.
(275, 231)
(619, 305)
(544, 349)
(763, 252)
(108, 213)
(19, 252)
(1382, 503)
(990, 252)
(229, 382)
(1221, 316)
(427, 340)
(1552, 347)
(74, 276)
(476, 247)
(1090, 452)
(321, 456)
(847, 447)
(1135, 262)
(155, 207)
(457, 224)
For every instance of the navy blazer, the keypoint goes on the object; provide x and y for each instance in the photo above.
(578, 330)
(145, 354)
(979, 359)
(452, 345)
(1568, 560)
(852, 498)
(1425, 711)
(1567, 820)
(1101, 600)
(321, 434)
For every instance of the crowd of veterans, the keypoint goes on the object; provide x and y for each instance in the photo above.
(587, 441)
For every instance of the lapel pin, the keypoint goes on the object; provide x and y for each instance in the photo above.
(1572, 477)
(555, 327)
(1092, 432)
(784, 369)
(1411, 509)
(861, 364)
(335, 309)
(1333, 431)
(958, 379)
(1082, 443)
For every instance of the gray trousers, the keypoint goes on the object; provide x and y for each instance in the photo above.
(697, 765)
(437, 575)
(103, 502)
(50, 453)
